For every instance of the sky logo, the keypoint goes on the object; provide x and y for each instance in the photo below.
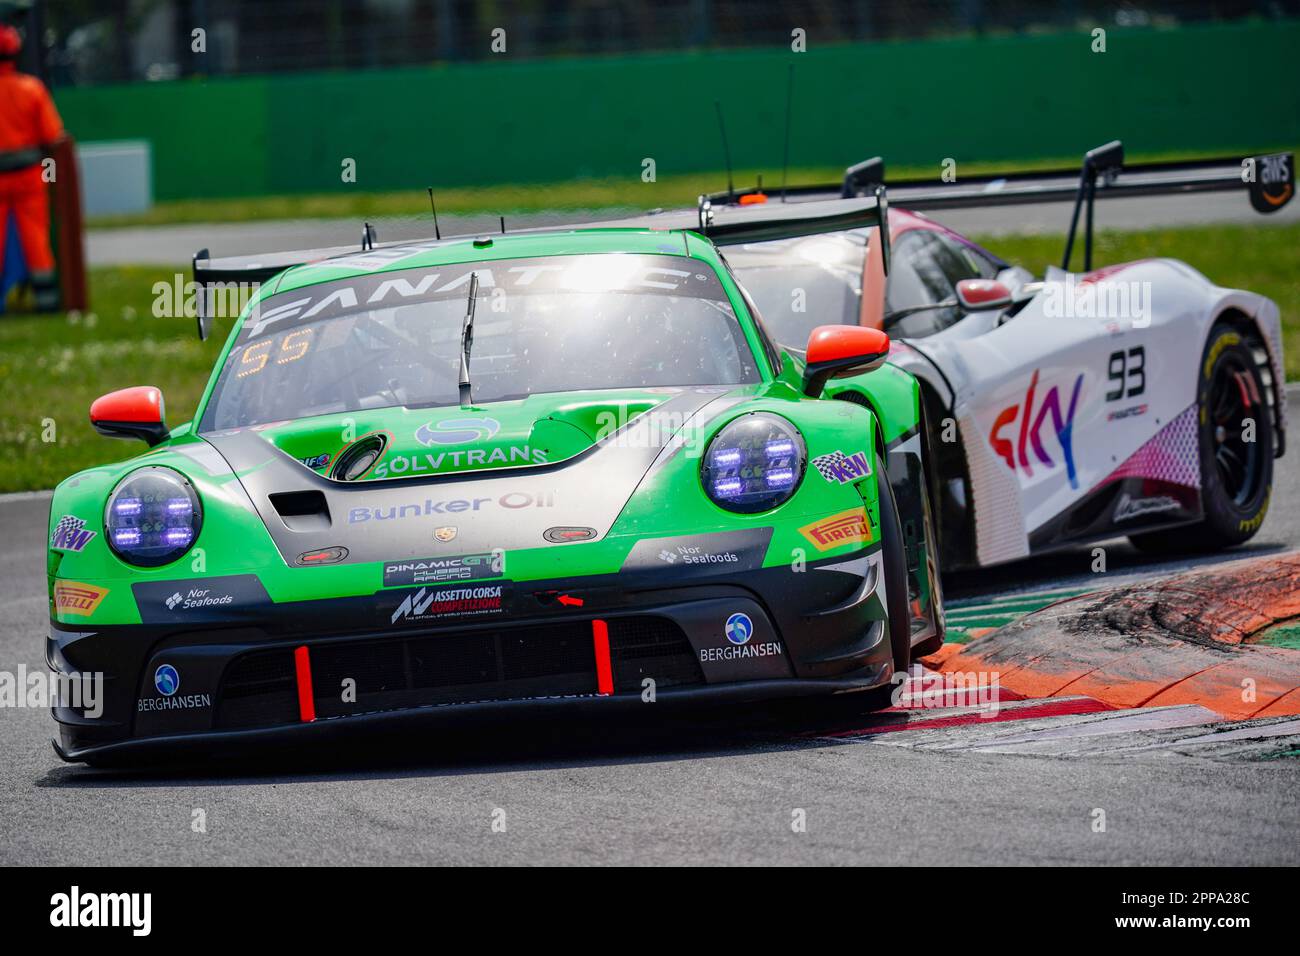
(1031, 424)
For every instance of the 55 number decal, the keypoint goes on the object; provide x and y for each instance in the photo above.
(1127, 372)
(293, 346)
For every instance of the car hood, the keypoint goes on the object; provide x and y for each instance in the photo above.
(499, 476)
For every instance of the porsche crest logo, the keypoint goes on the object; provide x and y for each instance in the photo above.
(445, 534)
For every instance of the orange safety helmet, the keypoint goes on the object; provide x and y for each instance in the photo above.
(11, 43)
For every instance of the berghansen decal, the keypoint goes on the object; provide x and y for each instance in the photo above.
(167, 681)
(739, 628)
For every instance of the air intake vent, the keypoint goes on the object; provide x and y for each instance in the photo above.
(302, 510)
(358, 458)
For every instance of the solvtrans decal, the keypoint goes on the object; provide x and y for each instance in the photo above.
(457, 431)
(435, 462)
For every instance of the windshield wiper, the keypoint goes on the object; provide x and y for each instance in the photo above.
(467, 341)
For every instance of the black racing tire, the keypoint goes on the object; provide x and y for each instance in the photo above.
(895, 566)
(1236, 475)
(927, 647)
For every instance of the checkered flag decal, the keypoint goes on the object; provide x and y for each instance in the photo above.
(67, 526)
(70, 534)
(831, 466)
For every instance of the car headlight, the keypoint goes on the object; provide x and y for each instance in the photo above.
(153, 517)
(753, 464)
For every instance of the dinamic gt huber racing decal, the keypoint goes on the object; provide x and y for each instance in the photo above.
(440, 570)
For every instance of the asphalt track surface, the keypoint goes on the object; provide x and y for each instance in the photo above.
(168, 245)
(715, 787)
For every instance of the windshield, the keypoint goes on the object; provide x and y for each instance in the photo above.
(799, 284)
(548, 324)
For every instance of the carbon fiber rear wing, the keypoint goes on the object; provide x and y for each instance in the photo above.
(724, 225)
(1268, 180)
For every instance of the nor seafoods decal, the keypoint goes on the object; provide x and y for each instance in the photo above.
(200, 599)
(725, 552)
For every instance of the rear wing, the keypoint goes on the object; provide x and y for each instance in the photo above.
(1267, 179)
(724, 225)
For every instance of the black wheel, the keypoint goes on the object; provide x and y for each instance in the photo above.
(1236, 472)
(895, 561)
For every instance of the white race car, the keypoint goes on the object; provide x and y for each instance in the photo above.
(1138, 399)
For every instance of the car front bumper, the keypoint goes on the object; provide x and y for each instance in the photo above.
(306, 670)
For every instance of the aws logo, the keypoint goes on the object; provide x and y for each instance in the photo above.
(1031, 414)
(457, 431)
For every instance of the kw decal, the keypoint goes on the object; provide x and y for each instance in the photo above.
(842, 468)
(71, 534)
(1031, 418)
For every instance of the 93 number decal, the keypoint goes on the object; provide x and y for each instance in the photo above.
(1127, 370)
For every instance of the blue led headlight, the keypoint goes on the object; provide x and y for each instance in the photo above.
(753, 464)
(153, 517)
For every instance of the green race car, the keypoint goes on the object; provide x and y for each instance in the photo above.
(532, 471)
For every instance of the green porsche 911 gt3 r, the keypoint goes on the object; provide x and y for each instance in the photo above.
(541, 470)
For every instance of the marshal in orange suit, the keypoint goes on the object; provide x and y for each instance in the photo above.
(29, 126)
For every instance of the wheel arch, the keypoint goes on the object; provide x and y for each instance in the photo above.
(1265, 360)
(904, 457)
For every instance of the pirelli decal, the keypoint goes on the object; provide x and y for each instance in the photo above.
(73, 597)
(847, 527)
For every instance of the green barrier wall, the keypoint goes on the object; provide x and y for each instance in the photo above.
(1019, 97)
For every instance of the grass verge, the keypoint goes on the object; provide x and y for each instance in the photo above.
(53, 367)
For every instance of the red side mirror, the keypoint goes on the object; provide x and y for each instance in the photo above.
(131, 413)
(836, 350)
(981, 295)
